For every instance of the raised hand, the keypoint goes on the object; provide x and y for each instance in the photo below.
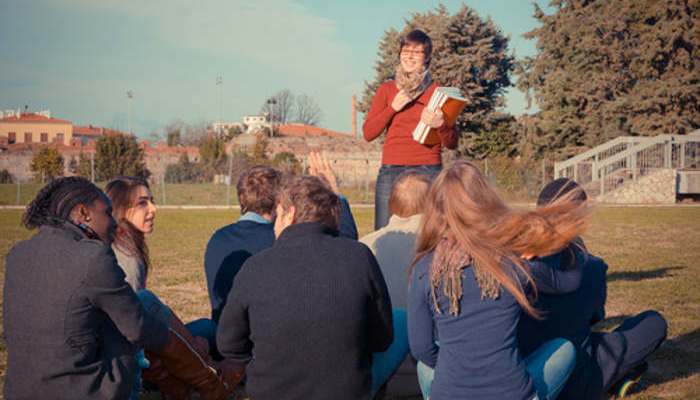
(319, 166)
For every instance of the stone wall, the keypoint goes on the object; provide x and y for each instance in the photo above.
(659, 187)
(354, 161)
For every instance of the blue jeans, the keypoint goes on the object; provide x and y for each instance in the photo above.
(385, 182)
(549, 367)
(385, 364)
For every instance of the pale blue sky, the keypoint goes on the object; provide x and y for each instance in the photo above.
(79, 57)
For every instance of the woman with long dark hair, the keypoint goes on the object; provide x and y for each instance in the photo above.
(134, 209)
(397, 107)
(72, 323)
(470, 285)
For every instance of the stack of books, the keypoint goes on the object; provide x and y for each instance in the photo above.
(451, 102)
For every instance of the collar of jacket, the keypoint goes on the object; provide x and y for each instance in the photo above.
(64, 226)
(303, 230)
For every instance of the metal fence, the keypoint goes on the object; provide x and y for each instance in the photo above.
(516, 180)
(627, 158)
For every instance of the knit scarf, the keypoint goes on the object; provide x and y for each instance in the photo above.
(413, 83)
(446, 272)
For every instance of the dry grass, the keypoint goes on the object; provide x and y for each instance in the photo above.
(653, 255)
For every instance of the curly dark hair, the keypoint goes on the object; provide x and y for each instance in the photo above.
(56, 200)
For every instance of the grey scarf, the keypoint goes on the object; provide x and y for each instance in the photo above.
(413, 83)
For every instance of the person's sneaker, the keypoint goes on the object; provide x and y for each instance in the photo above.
(624, 385)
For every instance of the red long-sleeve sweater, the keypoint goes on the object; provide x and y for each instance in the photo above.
(399, 146)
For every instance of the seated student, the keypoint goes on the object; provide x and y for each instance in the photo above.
(603, 359)
(470, 286)
(72, 323)
(135, 212)
(230, 246)
(394, 248)
(308, 312)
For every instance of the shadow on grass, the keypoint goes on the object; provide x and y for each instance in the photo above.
(677, 358)
(643, 275)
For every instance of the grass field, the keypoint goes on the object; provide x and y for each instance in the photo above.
(175, 194)
(653, 254)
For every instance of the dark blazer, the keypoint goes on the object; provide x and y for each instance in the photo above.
(230, 246)
(306, 314)
(71, 321)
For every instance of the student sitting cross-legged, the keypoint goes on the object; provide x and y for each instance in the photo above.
(394, 248)
(230, 246)
(603, 359)
(307, 313)
(470, 286)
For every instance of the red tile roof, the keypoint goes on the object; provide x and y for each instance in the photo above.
(88, 131)
(301, 130)
(34, 118)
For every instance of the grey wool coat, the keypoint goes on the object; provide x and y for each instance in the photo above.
(71, 321)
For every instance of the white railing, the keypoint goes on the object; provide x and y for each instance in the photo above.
(610, 165)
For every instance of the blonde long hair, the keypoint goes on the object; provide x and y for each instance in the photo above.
(466, 223)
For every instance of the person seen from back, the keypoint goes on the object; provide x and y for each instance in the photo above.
(394, 248)
(471, 284)
(307, 313)
(605, 361)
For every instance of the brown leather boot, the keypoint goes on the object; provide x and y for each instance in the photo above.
(169, 386)
(185, 363)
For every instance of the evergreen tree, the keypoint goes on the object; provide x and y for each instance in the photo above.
(611, 68)
(388, 57)
(469, 53)
(119, 154)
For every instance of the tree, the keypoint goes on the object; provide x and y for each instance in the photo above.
(6, 176)
(118, 154)
(307, 111)
(80, 166)
(281, 110)
(173, 137)
(212, 156)
(259, 153)
(469, 53)
(387, 57)
(287, 162)
(183, 171)
(610, 68)
(47, 164)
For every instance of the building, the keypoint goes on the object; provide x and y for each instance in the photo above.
(223, 127)
(83, 135)
(29, 127)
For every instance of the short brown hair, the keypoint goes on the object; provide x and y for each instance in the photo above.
(417, 36)
(312, 199)
(408, 194)
(257, 189)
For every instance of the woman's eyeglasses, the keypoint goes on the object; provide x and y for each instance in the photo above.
(413, 53)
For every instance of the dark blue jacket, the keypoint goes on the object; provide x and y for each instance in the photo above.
(478, 348)
(570, 316)
(231, 246)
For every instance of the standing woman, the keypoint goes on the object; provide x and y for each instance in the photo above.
(396, 108)
(71, 322)
(470, 286)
